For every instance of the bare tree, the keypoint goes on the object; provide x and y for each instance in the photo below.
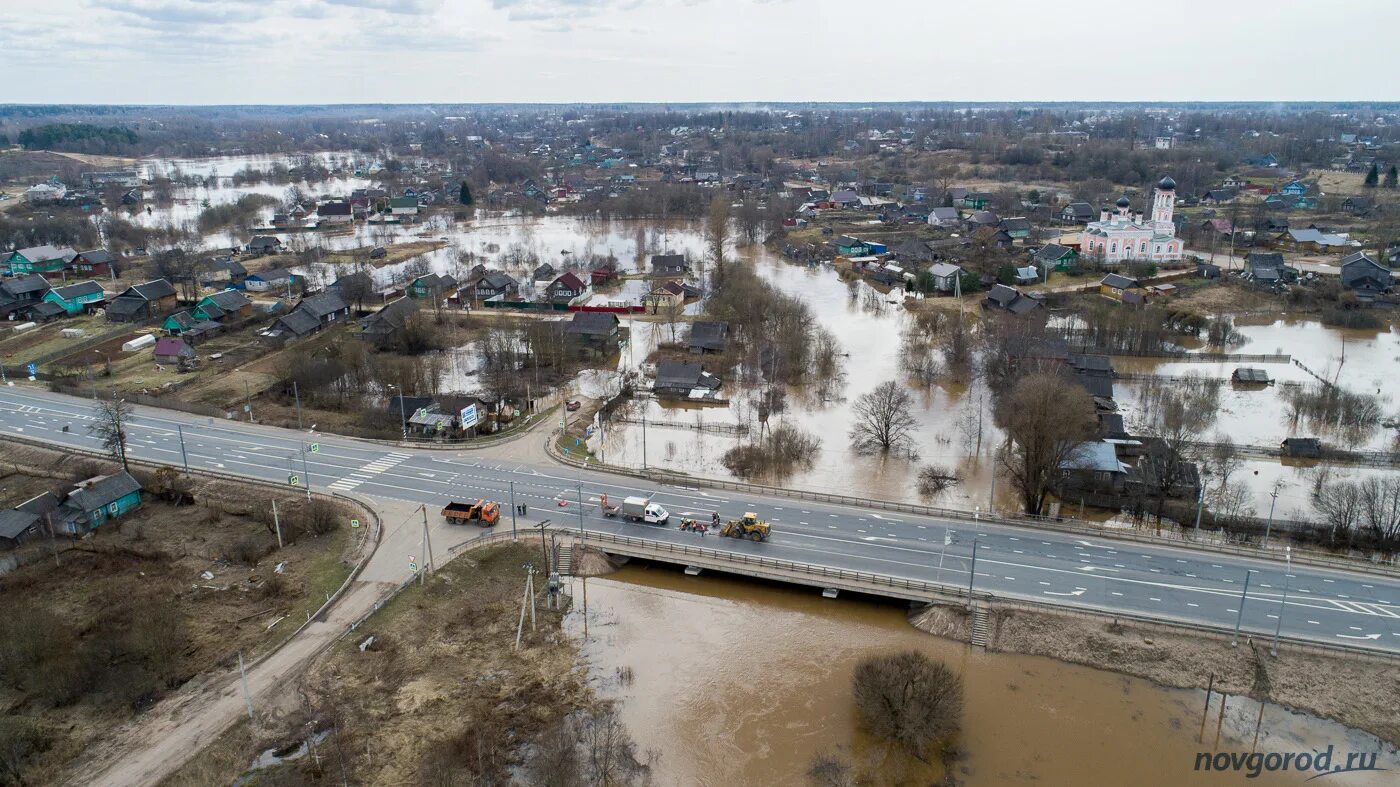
(909, 700)
(1046, 417)
(884, 419)
(716, 234)
(111, 427)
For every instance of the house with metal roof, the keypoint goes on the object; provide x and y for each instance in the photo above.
(708, 337)
(45, 260)
(76, 298)
(98, 500)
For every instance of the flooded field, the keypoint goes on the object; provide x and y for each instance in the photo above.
(740, 683)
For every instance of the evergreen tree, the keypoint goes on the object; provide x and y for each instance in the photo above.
(464, 195)
(1392, 177)
(1372, 177)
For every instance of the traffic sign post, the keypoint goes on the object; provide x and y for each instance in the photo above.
(294, 480)
(354, 523)
(315, 448)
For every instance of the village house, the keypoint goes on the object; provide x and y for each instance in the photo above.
(173, 350)
(1091, 472)
(1120, 288)
(94, 262)
(946, 276)
(382, 328)
(669, 265)
(434, 286)
(944, 217)
(404, 207)
(1077, 213)
(20, 293)
(225, 270)
(488, 285)
(1267, 269)
(310, 316)
(1010, 299)
(335, 212)
(44, 260)
(1053, 256)
(185, 325)
(596, 331)
(270, 280)
(227, 307)
(143, 301)
(263, 244)
(76, 298)
(683, 380)
(566, 288)
(708, 337)
(1360, 273)
(98, 500)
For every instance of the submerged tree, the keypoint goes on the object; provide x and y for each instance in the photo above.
(909, 700)
(884, 419)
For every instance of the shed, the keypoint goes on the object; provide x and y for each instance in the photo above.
(1302, 447)
(1249, 374)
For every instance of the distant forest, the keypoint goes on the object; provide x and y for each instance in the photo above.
(78, 138)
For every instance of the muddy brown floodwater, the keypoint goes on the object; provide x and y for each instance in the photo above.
(734, 683)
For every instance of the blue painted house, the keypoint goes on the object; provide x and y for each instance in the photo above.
(98, 500)
(74, 298)
(1294, 188)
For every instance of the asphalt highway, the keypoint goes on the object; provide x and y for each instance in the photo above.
(1324, 605)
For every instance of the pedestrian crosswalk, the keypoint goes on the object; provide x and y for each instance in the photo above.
(369, 471)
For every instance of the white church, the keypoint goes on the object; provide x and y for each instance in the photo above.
(1122, 236)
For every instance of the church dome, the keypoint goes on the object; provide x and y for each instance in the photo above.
(1166, 184)
(1123, 202)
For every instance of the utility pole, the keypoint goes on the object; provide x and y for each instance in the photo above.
(972, 573)
(248, 401)
(992, 496)
(644, 441)
(1235, 640)
(243, 675)
(277, 523)
(296, 392)
(183, 456)
(427, 541)
(580, 510)
(1283, 605)
(1269, 526)
(528, 602)
(947, 539)
(513, 509)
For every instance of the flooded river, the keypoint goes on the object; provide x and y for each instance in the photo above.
(734, 682)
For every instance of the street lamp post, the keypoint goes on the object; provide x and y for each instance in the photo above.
(1200, 503)
(305, 471)
(513, 509)
(1283, 605)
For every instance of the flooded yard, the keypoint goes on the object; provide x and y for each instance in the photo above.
(735, 682)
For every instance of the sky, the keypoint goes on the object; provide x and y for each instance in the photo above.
(470, 51)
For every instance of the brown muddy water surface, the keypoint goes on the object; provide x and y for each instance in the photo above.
(736, 683)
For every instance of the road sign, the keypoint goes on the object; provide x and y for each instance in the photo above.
(294, 480)
(33, 369)
(470, 417)
(315, 448)
(354, 523)
(412, 566)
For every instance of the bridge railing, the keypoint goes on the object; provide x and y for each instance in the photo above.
(931, 591)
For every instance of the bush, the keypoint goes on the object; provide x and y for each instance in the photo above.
(909, 700)
(248, 550)
(1350, 318)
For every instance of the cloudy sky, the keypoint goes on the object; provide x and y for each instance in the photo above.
(350, 51)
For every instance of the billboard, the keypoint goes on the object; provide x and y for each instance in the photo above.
(470, 417)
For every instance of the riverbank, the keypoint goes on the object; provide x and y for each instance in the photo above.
(1356, 690)
(429, 689)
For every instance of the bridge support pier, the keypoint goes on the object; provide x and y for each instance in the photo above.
(692, 571)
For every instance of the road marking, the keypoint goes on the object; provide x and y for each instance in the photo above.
(1192, 604)
(1153, 598)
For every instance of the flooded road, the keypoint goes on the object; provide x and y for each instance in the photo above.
(735, 682)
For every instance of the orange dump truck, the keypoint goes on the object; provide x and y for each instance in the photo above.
(486, 512)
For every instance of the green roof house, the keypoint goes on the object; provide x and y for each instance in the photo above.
(75, 297)
(45, 260)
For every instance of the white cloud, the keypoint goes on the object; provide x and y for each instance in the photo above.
(405, 7)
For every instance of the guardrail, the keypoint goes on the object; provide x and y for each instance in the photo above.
(884, 584)
(1374, 564)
